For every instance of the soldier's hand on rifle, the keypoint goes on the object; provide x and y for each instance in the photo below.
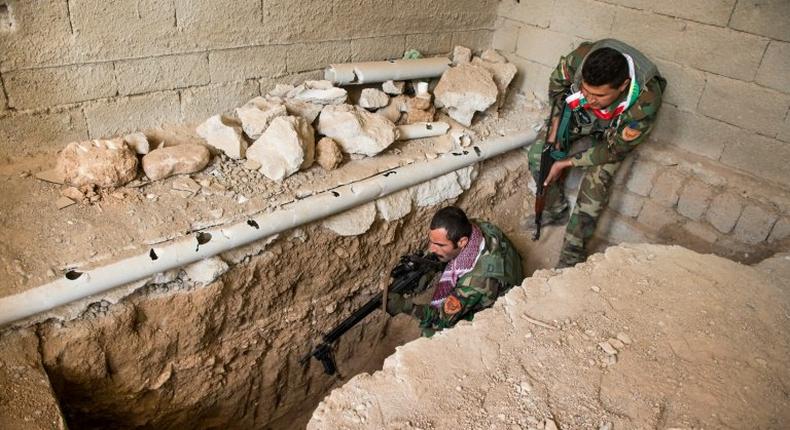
(556, 171)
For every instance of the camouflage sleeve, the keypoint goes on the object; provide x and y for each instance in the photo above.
(460, 304)
(633, 129)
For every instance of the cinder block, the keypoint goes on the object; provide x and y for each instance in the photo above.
(702, 231)
(593, 21)
(693, 132)
(199, 103)
(716, 12)
(768, 18)
(758, 109)
(666, 188)
(377, 48)
(625, 169)
(655, 217)
(431, 43)
(784, 131)
(505, 35)
(654, 35)
(532, 78)
(615, 229)
(625, 203)
(781, 230)
(758, 156)
(24, 133)
(701, 43)
(286, 21)
(161, 73)
(755, 224)
(38, 88)
(532, 12)
(685, 84)
(41, 38)
(641, 179)
(694, 199)
(544, 46)
(311, 56)
(203, 24)
(127, 114)
(476, 40)
(773, 71)
(724, 211)
(253, 62)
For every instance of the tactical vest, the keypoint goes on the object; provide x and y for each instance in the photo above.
(584, 123)
(499, 259)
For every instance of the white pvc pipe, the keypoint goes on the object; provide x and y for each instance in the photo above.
(380, 71)
(420, 130)
(78, 285)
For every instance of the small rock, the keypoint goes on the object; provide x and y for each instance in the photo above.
(319, 92)
(610, 360)
(492, 56)
(285, 147)
(251, 165)
(616, 343)
(186, 183)
(464, 90)
(595, 289)
(257, 114)
(606, 426)
(175, 160)
(624, 338)
(281, 90)
(607, 348)
(328, 153)
(461, 55)
(103, 163)
(356, 130)
(550, 425)
(138, 142)
(372, 98)
(393, 87)
(394, 109)
(222, 135)
(64, 202)
(73, 193)
(421, 102)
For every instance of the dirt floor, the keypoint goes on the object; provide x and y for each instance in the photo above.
(641, 337)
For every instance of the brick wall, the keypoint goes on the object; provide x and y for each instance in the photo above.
(77, 69)
(714, 176)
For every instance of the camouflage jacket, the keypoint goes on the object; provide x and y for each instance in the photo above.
(498, 268)
(621, 134)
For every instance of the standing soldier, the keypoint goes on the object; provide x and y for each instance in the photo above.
(605, 96)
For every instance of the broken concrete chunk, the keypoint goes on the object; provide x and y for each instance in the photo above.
(491, 56)
(616, 343)
(175, 160)
(281, 90)
(308, 111)
(356, 130)
(328, 153)
(138, 142)
(103, 163)
(285, 147)
(258, 113)
(503, 74)
(396, 205)
(224, 136)
(607, 348)
(461, 55)
(393, 87)
(622, 337)
(464, 90)
(319, 92)
(372, 98)
(352, 222)
(394, 109)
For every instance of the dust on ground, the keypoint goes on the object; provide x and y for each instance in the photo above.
(42, 243)
(693, 341)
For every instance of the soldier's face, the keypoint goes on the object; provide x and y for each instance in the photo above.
(602, 96)
(443, 247)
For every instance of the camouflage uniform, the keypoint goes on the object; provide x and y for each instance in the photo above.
(611, 141)
(497, 270)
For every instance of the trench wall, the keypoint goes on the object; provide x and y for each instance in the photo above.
(714, 177)
(77, 69)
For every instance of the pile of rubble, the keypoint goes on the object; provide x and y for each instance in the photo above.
(293, 127)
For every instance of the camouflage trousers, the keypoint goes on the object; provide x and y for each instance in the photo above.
(590, 202)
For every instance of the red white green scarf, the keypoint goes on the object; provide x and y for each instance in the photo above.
(578, 101)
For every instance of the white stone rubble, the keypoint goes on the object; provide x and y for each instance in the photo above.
(492, 56)
(356, 130)
(258, 113)
(221, 134)
(287, 146)
(319, 92)
(464, 90)
(103, 163)
(445, 187)
(461, 55)
(206, 271)
(396, 205)
(138, 142)
(372, 98)
(502, 73)
(352, 222)
(393, 88)
(175, 160)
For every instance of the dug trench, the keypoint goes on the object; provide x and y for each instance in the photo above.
(226, 354)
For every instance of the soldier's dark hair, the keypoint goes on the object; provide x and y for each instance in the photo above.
(453, 220)
(605, 66)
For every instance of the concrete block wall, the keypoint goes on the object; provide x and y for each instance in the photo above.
(78, 69)
(727, 108)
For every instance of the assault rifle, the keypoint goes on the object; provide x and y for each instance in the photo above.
(405, 278)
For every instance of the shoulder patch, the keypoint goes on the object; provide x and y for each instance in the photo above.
(452, 305)
(630, 134)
